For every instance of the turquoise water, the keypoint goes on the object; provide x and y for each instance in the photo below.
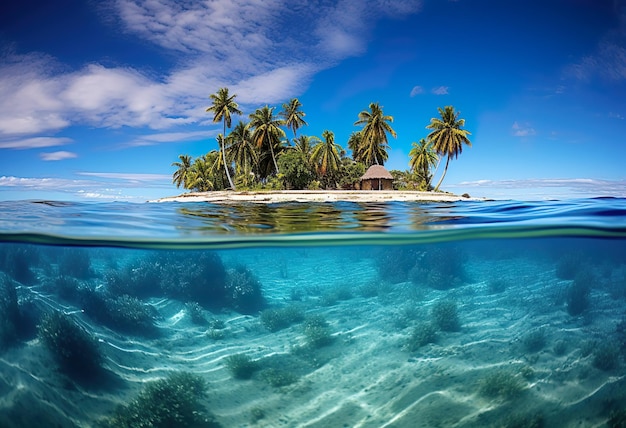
(466, 314)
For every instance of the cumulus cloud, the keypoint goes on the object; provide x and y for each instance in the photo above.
(522, 130)
(440, 90)
(416, 91)
(56, 156)
(266, 51)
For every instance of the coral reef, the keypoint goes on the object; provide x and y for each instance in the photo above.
(445, 316)
(170, 402)
(75, 351)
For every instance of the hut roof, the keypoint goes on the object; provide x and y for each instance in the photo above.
(375, 172)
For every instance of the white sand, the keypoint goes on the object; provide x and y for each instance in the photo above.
(366, 378)
(316, 196)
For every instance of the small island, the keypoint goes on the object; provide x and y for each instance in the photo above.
(284, 196)
(257, 162)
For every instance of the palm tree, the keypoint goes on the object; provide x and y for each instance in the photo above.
(201, 175)
(447, 136)
(304, 144)
(373, 147)
(266, 133)
(325, 155)
(421, 158)
(354, 144)
(223, 107)
(293, 116)
(181, 175)
(242, 150)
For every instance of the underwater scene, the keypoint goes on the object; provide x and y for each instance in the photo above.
(469, 314)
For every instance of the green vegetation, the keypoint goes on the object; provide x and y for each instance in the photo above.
(422, 158)
(278, 378)
(280, 318)
(241, 366)
(423, 333)
(223, 107)
(445, 316)
(253, 150)
(75, 350)
(447, 136)
(317, 332)
(170, 402)
(501, 384)
(194, 310)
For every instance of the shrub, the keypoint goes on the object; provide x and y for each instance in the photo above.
(278, 319)
(170, 402)
(445, 316)
(317, 332)
(129, 314)
(278, 378)
(75, 350)
(194, 310)
(241, 366)
(501, 384)
(336, 294)
(577, 297)
(606, 357)
(534, 341)
(243, 291)
(423, 334)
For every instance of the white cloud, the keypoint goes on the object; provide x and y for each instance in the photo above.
(573, 186)
(170, 137)
(34, 143)
(56, 156)
(522, 130)
(120, 186)
(416, 91)
(261, 50)
(440, 90)
(129, 177)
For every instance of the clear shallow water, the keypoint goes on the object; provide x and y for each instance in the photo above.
(398, 314)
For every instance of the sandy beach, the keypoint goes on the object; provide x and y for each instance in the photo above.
(225, 197)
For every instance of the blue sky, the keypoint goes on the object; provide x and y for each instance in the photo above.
(97, 99)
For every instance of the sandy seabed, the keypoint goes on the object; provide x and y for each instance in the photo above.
(366, 377)
(317, 196)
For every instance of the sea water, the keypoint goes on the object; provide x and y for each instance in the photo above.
(467, 314)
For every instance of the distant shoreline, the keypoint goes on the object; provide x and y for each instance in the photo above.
(278, 196)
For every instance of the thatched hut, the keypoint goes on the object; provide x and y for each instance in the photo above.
(377, 178)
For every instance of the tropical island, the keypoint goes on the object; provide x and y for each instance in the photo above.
(257, 162)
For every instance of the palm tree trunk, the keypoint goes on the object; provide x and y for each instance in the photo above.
(230, 180)
(442, 175)
(273, 157)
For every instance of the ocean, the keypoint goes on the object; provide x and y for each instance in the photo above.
(465, 314)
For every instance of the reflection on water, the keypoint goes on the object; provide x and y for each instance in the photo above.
(312, 217)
